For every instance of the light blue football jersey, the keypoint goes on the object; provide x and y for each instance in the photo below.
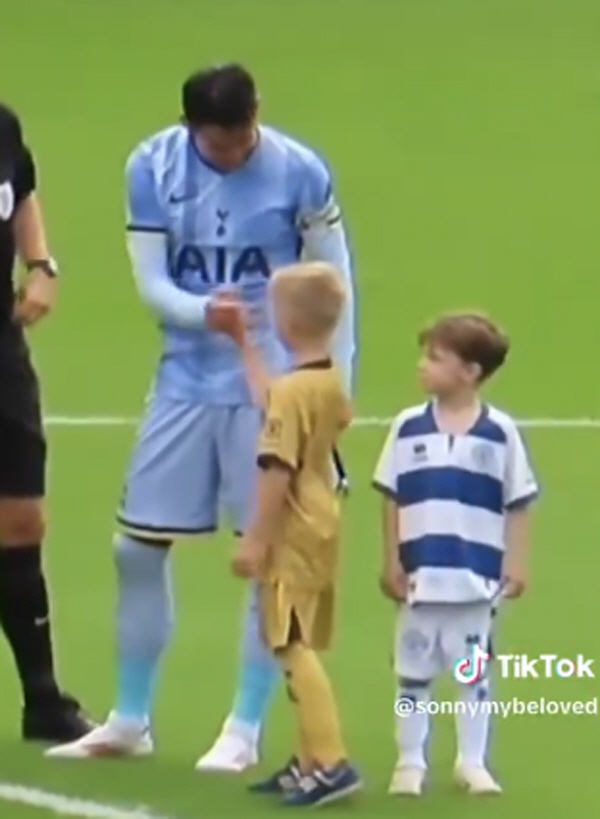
(221, 230)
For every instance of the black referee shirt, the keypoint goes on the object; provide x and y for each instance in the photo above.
(17, 181)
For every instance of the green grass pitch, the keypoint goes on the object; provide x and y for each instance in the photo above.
(464, 135)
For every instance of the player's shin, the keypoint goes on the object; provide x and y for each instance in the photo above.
(412, 723)
(237, 746)
(309, 688)
(145, 620)
(472, 725)
(259, 674)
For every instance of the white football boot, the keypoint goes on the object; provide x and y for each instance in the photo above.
(118, 737)
(234, 751)
(407, 781)
(477, 780)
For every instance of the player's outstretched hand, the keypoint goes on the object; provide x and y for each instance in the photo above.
(36, 298)
(394, 584)
(248, 560)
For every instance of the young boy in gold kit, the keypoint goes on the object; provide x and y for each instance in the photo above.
(291, 545)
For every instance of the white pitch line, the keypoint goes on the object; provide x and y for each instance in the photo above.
(90, 421)
(61, 805)
(532, 423)
(367, 421)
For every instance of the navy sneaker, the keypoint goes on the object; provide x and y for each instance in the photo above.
(281, 782)
(324, 786)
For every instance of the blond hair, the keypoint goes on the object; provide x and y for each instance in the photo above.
(313, 296)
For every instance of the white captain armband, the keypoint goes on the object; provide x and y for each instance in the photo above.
(328, 217)
(324, 240)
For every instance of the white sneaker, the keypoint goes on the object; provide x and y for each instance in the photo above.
(117, 737)
(477, 780)
(235, 750)
(407, 781)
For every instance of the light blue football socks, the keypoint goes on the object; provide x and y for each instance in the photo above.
(145, 623)
(259, 672)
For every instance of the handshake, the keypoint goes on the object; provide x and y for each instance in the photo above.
(227, 314)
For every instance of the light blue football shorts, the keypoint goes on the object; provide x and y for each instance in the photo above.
(191, 462)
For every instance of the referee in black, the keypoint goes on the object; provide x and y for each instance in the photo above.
(48, 713)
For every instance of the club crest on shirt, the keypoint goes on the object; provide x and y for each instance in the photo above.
(415, 642)
(222, 216)
(7, 201)
(419, 453)
(273, 427)
(483, 456)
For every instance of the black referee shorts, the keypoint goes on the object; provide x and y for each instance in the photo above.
(22, 441)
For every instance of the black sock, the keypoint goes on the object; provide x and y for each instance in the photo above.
(25, 620)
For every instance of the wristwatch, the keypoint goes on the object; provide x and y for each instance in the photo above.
(47, 266)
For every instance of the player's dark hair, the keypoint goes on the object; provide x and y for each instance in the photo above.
(473, 337)
(224, 95)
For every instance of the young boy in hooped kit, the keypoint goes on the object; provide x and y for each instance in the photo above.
(458, 488)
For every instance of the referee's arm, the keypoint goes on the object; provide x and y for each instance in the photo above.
(37, 296)
(30, 233)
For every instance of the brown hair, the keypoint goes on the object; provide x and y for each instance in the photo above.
(473, 337)
(314, 294)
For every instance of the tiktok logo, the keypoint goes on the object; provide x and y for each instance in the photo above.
(471, 669)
